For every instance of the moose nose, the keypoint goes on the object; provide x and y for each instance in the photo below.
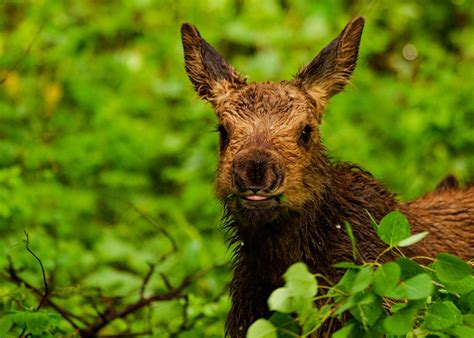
(256, 172)
(255, 189)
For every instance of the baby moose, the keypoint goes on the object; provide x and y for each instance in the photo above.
(284, 200)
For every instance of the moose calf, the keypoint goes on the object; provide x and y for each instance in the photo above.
(284, 199)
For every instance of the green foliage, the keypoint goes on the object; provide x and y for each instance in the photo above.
(450, 268)
(262, 328)
(37, 324)
(98, 122)
(399, 298)
(393, 228)
(386, 278)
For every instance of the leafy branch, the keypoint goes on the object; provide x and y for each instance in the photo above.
(112, 310)
(397, 298)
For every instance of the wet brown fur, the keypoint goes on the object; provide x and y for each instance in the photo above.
(261, 127)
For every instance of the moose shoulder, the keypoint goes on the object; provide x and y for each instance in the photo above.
(284, 199)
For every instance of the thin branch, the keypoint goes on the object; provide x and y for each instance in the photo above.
(13, 275)
(24, 53)
(166, 281)
(150, 220)
(174, 293)
(45, 283)
(147, 279)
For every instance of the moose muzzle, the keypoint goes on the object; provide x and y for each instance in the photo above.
(257, 174)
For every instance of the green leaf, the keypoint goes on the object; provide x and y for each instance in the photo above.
(348, 228)
(347, 265)
(386, 278)
(281, 300)
(312, 322)
(409, 268)
(37, 323)
(393, 228)
(468, 319)
(401, 322)
(344, 332)
(461, 287)
(262, 328)
(441, 315)
(300, 281)
(418, 287)
(297, 294)
(315, 319)
(285, 325)
(367, 314)
(346, 282)
(359, 298)
(20, 318)
(461, 331)
(412, 239)
(362, 279)
(6, 322)
(469, 301)
(450, 268)
(397, 307)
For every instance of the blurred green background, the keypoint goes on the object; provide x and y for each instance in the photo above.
(98, 119)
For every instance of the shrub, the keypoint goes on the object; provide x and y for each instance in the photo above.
(416, 297)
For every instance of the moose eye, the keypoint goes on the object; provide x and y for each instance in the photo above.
(306, 134)
(223, 136)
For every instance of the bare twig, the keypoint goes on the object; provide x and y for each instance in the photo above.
(173, 293)
(147, 279)
(185, 311)
(45, 283)
(23, 54)
(104, 319)
(114, 309)
(13, 275)
(150, 220)
(166, 281)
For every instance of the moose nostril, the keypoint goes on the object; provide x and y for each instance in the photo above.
(256, 172)
(275, 183)
(276, 180)
(238, 183)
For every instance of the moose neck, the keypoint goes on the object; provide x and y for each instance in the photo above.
(315, 235)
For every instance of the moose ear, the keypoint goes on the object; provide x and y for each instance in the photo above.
(328, 73)
(210, 74)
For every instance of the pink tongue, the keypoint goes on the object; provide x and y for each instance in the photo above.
(256, 198)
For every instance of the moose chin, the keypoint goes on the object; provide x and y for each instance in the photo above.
(284, 199)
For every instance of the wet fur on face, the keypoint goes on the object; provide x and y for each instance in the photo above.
(265, 120)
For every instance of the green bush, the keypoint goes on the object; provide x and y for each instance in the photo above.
(398, 298)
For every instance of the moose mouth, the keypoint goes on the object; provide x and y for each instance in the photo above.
(256, 197)
(259, 201)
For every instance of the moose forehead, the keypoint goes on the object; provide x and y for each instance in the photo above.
(271, 102)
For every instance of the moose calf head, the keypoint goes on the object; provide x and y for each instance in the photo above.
(271, 159)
